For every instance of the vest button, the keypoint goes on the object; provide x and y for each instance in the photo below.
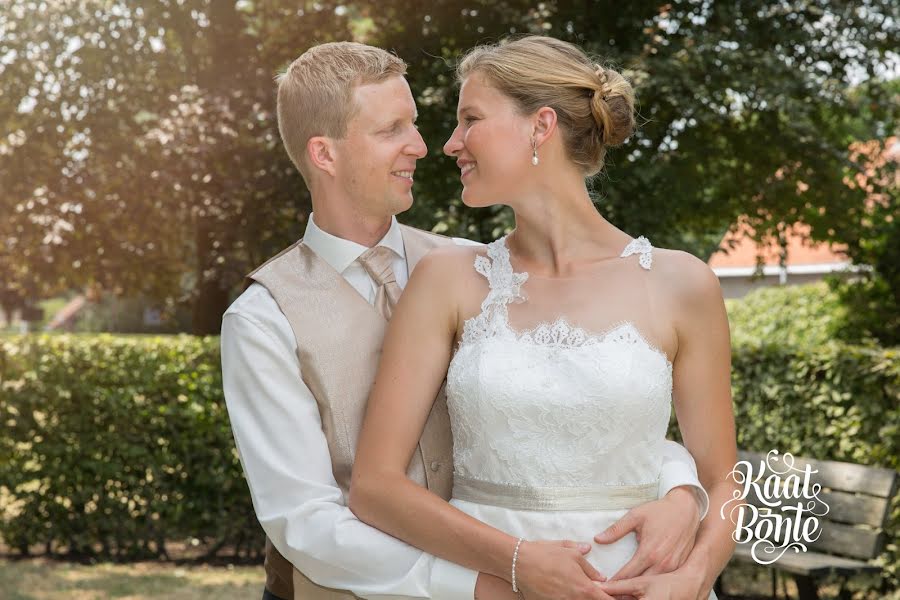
(435, 465)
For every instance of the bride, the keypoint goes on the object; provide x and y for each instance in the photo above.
(564, 345)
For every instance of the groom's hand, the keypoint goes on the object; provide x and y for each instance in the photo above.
(665, 530)
(677, 585)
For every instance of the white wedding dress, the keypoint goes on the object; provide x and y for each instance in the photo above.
(559, 405)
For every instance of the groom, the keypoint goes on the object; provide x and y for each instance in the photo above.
(300, 347)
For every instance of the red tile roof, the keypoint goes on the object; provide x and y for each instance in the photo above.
(800, 251)
(737, 249)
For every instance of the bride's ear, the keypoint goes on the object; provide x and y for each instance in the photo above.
(544, 124)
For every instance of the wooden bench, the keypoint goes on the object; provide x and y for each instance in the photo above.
(851, 533)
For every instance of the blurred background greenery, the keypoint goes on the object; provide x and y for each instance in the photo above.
(141, 159)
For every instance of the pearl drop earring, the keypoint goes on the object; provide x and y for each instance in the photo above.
(534, 156)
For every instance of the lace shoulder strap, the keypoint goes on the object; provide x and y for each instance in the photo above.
(506, 285)
(640, 245)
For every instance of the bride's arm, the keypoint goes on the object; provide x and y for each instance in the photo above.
(414, 362)
(703, 405)
(702, 397)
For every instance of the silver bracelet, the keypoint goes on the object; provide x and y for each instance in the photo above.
(515, 557)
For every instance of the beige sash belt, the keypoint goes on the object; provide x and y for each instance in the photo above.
(522, 497)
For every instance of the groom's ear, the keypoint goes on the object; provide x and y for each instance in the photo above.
(320, 150)
(544, 124)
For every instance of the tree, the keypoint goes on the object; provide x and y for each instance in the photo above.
(144, 156)
(871, 233)
(729, 94)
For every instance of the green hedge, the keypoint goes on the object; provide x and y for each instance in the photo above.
(835, 402)
(820, 385)
(852, 312)
(115, 445)
(807, 315)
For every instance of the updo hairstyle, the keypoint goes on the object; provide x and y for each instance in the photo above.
(594, 105)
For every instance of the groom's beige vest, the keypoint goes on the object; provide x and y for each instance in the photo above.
(339, 336)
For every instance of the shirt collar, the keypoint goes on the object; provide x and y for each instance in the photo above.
(341, 253)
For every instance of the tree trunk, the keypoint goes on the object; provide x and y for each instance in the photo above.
(210, 304)
(228, 47)
(211, 296)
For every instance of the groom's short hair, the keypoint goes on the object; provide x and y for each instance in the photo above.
(315, 93)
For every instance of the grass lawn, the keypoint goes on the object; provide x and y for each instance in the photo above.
(39, 579)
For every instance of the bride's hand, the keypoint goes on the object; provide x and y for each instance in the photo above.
(557, 570)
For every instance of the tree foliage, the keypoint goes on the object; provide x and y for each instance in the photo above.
(142, 152)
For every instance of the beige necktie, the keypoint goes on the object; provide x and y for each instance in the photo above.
(377, 263)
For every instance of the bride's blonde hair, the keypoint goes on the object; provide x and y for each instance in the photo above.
(594, 104)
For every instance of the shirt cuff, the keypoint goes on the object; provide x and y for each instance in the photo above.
(450, 581)
(676, 474)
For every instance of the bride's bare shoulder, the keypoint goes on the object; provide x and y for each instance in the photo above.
(688, 279)
(446, 281)
(449, 263)
(454, 255)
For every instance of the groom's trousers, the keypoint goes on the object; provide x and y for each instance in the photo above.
(267, 595)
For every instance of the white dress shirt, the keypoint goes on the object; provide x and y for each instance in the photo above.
(278, 433)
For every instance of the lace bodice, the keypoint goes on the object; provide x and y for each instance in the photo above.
(555, 404)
